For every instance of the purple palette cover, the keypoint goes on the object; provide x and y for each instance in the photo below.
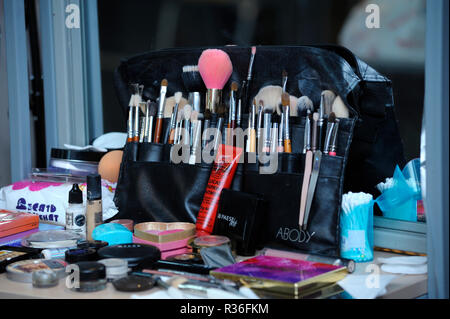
(290, 271)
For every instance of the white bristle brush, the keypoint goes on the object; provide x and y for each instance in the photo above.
(271, 96)
(339, 108)
(328, 98)
(304, 103)
(170, 104)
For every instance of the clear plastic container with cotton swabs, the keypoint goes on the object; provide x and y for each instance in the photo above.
(357, 227)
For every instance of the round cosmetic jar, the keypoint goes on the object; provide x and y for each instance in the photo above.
(92, 277)
(115, 268)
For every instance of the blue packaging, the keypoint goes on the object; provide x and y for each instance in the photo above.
(400, 200)
(113, 234)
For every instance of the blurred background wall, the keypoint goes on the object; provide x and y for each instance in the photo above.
(131, 27)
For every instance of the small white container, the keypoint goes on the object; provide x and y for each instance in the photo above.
(115, 268)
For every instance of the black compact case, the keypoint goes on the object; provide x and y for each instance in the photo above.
(240, 216)
(152, 188)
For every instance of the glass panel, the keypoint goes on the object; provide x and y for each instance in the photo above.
(388, 35)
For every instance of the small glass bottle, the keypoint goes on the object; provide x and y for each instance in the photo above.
(76, 212)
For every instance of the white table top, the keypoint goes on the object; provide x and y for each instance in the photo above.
(402, 287)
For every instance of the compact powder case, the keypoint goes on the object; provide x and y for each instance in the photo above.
(77, 255)
(137, 255)
(209, 241)
(96, 244)
(22, 271)
(134, 283)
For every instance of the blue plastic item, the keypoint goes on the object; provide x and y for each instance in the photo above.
(113, 234)
(400, 201)
(357, 232)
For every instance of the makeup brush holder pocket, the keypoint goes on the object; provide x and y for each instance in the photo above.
(282, 192)
(159, 190)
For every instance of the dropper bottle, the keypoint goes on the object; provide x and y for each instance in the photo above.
(76, 212)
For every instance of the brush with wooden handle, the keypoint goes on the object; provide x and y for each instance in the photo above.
(160, 116)
(285, 101)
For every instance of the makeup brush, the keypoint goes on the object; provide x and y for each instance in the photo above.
(232, 113)
(178, 127)
(137, 112)
(219, 127)
(259, 126)
(187, 111)
(194, 100)
(246, 83)
(252, 133)
(280, 145)
(287, 139)
(133, 113)
(194, 120)
(284, 79)
(304, 103)
(327, 98)
(196, 142)
(131, 110)
(192, 79)
(293, 101)
(215, 68)
(160, 115)
(314, 134)
(330, 126)
(207, 115)
(177, 99)
(333, 143)
(312, 168)
(271, 96)
(171, 287)
(152, 108)
(339, 108)
(170, 104)
(239, 112)
(274, 139)
(201, 288)
(143, 109)
(307, 133)
(267, 130)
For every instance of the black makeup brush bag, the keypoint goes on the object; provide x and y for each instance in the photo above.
(152, 188)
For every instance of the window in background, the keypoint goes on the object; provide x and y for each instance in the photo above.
(131, 27)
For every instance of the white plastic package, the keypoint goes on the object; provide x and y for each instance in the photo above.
(50, 200)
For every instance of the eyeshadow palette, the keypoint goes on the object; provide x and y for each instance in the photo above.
(22, 271)
(11, 254)
(282, 275)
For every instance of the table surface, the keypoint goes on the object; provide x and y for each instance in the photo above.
(402, 287)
